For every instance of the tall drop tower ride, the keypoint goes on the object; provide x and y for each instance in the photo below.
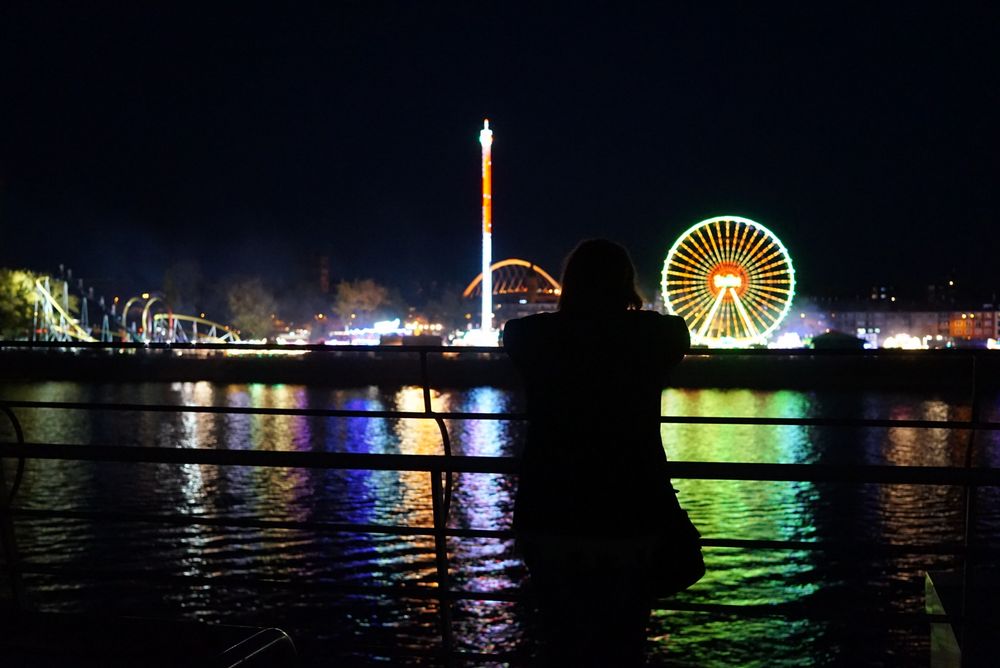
(486, 141)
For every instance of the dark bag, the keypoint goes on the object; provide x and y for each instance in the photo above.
(676, 562)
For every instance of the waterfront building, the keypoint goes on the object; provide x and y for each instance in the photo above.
(938, 327)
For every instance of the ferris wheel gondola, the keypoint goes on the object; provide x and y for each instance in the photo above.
(732, 281)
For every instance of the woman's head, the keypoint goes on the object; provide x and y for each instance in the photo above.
(599, 276)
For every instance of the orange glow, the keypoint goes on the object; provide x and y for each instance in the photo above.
(487, 143)
(514, 262)
(728, 275)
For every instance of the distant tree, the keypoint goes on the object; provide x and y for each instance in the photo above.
(251, 307)
(182, 286)
(358, 300)
(17, 301)
(448, 307)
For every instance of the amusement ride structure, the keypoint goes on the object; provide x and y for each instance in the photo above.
(512, 280)
(515, 279)
(732, 281)
(486, 315)
(152, 320)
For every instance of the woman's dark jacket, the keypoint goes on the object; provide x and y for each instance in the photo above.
(593, 461)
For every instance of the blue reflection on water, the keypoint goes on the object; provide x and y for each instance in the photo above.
(483, 501)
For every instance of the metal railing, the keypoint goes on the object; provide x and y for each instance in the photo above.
(441, 468)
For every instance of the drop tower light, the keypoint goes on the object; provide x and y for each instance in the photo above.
(486, 141)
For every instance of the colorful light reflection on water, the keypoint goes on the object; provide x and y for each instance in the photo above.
(312, 558)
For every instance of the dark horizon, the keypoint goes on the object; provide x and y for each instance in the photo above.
(252, 141)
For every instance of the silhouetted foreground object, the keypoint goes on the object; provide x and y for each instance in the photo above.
(837, 341)
(31, 639)
(593, 491)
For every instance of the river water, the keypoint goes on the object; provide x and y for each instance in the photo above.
(236, 564)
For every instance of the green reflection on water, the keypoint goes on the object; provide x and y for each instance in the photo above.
(745, 510)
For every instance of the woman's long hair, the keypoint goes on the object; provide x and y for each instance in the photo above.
(599, 276)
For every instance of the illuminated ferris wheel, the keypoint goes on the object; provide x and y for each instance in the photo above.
(730, 279)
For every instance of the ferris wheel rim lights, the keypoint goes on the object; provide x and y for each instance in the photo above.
(737, 280)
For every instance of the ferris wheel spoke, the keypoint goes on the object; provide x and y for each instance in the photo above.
(699, 245)
(759, 258)
(747, 241)
(768, 261)
(742, 245)
(681, 267)
(699, 296)
(749, 259)
(709, 246)
(682, 274)
(699, 300)
(688, 302)
(682, 296)
(721, 243)
(744, 316)
(773, 289)
(764, 277)
(729, 237)
(693, 258)
(709, 232)
(764, 304)
(711, 314)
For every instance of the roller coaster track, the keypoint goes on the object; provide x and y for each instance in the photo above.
(54, 322)
(67, 327)
(179, 335)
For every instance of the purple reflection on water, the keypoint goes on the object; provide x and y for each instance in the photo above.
(484, 501)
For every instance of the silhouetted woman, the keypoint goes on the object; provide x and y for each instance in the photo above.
(593, 483)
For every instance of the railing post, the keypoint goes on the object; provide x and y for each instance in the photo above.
(425, 381)
(7, 535)
(441, 562)
(969, 497)
(442, 427)
(440, 506)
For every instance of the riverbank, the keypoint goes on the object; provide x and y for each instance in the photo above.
(942, 371)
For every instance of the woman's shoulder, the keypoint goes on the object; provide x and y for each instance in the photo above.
(654, 319)
(528, 328)
(529, 323)
(671, 328)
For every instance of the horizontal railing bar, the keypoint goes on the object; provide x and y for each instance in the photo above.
(424, 415)
(309, 347)
(867, 473)
(263, 458)
(834, 422)
(321, 347)
(402, 530)
(247, 410)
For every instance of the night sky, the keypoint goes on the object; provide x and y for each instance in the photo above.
(252, 139)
